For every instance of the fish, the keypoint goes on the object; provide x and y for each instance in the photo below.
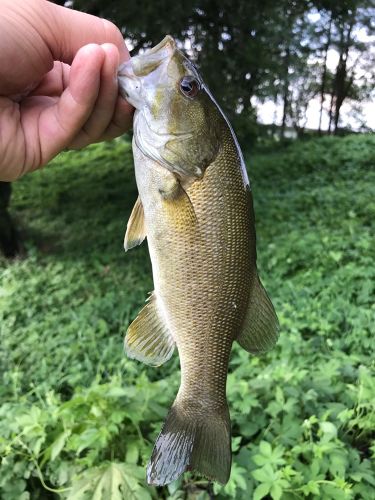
(195, 208)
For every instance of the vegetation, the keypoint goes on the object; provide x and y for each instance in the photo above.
(287, 52)
(78, 419)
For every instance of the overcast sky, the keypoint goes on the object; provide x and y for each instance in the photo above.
(267, 112)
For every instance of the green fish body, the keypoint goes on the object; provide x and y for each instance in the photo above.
(195, 207)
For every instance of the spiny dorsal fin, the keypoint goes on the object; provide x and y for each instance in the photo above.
(136, 230)
(148, 339)
(261, 327)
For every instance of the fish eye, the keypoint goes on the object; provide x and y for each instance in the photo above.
(189, 86)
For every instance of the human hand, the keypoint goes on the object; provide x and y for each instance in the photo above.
(58, 83)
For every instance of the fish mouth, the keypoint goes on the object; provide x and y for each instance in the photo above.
(126, 70)
(144, 64)
(125, 78)
(167, 43)
(145, 70)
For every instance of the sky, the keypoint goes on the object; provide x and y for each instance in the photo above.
(268, 111)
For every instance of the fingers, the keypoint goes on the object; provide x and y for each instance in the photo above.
(36, 33)
(122, 119)
(60, 124)
(68, 105)
(54, 82)
(89, 109)
(104, 108)
(68, 30)
(112, 115)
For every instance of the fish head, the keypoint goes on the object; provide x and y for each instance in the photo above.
(177, 123)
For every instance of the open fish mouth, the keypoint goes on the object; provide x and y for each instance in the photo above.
(144, 64)
(167, 43)
(145, 70)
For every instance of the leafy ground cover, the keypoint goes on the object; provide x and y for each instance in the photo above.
(78, 419)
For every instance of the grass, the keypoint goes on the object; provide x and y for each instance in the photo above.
(77, 417)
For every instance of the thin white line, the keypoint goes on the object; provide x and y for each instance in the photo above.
(239, 152)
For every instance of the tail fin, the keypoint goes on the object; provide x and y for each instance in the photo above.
(191, 442)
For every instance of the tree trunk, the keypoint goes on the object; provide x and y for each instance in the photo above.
(285, 92)
(331, 110)
(8, 235)
(342, 77)
(341, 83)
(324, 75)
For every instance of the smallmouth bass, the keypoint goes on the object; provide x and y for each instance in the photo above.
(195, 206)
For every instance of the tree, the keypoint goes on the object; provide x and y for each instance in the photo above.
(322, 92)
(260, 49)
(352, 78)
(8, 235)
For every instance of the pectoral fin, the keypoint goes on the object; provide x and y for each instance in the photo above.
(261, 326)
(148, 339)
(136, 230)
(177, 202)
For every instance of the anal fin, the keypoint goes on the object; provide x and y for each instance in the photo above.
(148, 339)
(260, 329)
(136, 230)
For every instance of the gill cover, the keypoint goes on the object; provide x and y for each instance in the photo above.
(175, 123)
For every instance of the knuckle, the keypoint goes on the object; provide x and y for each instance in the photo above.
(113, 34)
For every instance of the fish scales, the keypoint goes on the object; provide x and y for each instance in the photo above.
(210, 298)
(195, 207)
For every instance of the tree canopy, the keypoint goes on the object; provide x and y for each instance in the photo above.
(259, 50)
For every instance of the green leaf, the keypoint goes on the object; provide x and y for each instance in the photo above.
(264, 475)
(265, 448)
(58, 444)
(329, 431)
(276, 491)
(261, 491)
(132, 452)
(114, 481)
(336, 256)
(313, 487)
